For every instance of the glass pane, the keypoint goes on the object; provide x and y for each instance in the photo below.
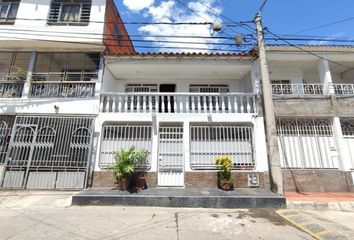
(19, 68)
(13, 11)
(5, 63)
(3, 10)
(70, 13)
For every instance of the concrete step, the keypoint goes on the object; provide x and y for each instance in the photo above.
(178, 197)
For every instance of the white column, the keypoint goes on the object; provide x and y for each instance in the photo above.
(255, 77)
(344, 160)
(155, 143)
(100, 78)
(97, 144)
(186, 137)
(260, 145)
(325, 76)
(30, 69)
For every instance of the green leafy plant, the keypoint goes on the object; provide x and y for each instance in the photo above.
(126, 162)
(126, 165)
(18, 73)
(225, 165)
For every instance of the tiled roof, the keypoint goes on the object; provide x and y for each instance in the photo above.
(187, 54)
(312, 48)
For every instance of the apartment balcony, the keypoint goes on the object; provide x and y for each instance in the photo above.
(162, 102)
(63, 85)
(11, 89)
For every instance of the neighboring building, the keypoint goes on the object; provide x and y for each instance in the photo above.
(51, 69)
(314, 106)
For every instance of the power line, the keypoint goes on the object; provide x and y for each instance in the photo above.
(263, 5)
(223, 16)
(307, 51)
(326, 25)
(121, 45)
(126, 40)
(190, 9)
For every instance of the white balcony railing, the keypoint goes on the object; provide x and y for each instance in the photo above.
(178, 103)
(297, 89)
(66, 89)
(342, 89)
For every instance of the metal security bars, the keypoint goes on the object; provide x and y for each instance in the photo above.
(347, 125)
(307, 144)
(70, 12)
(171, 157)
(297, 89)
(209, 142)
(8, 11)
(6, 124)
(62, 89)
(49, 153)
(117, 136)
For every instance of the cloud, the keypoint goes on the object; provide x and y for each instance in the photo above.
(171, 11)
(138, 5)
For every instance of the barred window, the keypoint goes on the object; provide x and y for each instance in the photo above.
(70, 12)
(8, 11)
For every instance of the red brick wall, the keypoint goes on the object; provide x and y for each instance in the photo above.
(112, 18)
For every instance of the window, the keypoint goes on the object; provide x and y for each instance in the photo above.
(69, 12)
(8, 11)
(116, 33)
(209, 88)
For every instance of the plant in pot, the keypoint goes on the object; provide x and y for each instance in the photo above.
(139, 179)
(125, 166)
(225, 165)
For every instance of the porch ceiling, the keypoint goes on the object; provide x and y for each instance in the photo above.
(177, 70)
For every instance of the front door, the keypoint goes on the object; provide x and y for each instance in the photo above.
(171, 159)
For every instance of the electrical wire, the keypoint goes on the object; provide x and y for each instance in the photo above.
(122, 45)
(307, 51)
(326, 25)
(263, 5)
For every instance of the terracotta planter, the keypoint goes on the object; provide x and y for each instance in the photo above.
(123, 184)
(226, 186)
(140, 183)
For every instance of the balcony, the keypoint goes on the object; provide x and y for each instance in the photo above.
(178, 103)
(63, 85)
(342, 89)
(11, 89)
(297, 89)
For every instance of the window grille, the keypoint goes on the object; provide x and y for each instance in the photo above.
(210, 142)
(8, 11)
(70, 12)
(123, 136)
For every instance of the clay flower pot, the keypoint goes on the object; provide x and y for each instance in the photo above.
(140, 183)
(226, 186)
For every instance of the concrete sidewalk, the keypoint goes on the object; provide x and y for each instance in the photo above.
(320, 201)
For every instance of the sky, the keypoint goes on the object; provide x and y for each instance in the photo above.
(282, 17)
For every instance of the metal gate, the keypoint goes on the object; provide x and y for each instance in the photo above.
(348, 137)
(49, 153)
(307, 144)
(171, 159)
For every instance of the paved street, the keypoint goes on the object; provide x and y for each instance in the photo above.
(48, 215)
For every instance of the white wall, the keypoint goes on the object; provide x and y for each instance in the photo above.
(11, 35)
(295, 75)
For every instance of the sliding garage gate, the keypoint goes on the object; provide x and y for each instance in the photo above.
(307, 144)
(49, 153)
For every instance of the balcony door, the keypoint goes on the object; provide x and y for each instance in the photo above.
(166, 102)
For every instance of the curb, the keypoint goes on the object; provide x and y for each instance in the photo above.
(345, 206)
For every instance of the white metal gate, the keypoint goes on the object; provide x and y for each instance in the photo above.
(307, 144)
(48, 153)
(171, 158)
(348, 136)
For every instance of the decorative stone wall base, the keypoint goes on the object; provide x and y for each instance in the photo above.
(107, 179)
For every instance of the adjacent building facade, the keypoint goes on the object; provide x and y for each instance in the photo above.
(74, 91)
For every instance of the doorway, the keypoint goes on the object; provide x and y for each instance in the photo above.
(166, 103)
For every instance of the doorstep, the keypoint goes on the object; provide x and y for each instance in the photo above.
(182, 197)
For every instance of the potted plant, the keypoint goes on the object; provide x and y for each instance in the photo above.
(139, 179)
(18, 73)
(125, 166)
(225, 181)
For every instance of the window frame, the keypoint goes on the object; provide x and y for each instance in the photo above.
(62, 3)
(10, 4)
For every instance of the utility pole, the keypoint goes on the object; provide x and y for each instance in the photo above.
(276, 178)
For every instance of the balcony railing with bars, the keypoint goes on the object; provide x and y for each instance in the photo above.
(342, 89)
(178, 103)
(297, 89)
(63, 85)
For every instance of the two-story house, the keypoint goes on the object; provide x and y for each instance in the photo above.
(51, 68)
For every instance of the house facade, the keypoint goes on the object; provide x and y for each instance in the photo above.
(51, 70)
(314, 106)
